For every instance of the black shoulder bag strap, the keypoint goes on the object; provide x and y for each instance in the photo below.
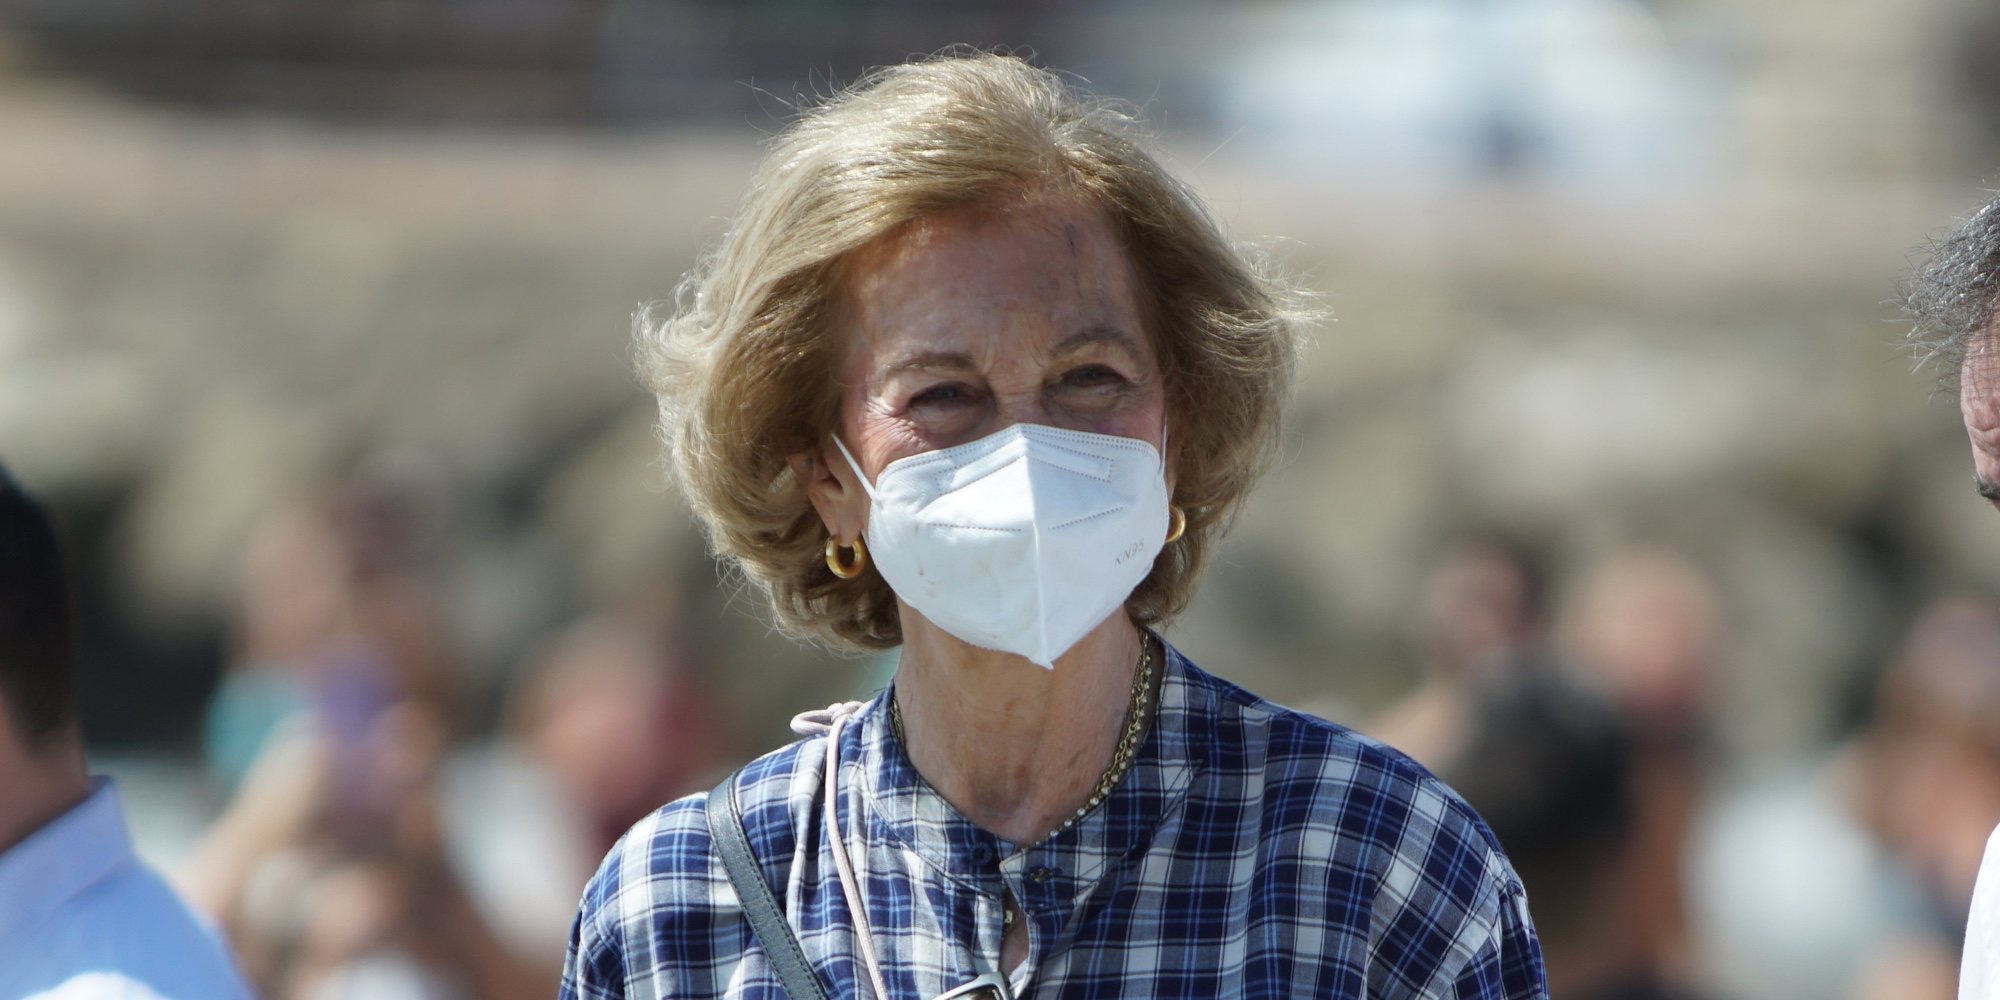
(760, 907)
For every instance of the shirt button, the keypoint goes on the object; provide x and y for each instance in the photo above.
(1040, 874)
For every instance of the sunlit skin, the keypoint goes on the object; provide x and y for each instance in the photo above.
(1979, 405)
(959, 326)
(42, 782)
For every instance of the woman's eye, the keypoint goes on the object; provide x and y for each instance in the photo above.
(941, 395)
(1092, 376)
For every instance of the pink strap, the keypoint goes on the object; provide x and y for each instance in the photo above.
(829, 721)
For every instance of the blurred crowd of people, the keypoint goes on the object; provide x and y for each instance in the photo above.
(395, 829)
(390, 833)
(1582, 729)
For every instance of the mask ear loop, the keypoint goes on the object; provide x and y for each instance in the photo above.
(866, 487)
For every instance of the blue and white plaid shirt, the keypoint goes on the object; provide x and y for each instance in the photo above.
(1250, 851)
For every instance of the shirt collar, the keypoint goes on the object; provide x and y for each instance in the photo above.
(1061, 869)
(62, 859)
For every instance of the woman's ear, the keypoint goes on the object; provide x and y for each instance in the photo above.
(833, 489)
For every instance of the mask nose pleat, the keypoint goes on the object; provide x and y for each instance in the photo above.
(1076, 462)
(997, 497)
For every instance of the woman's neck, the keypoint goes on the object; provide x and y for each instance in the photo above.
(1015, 748)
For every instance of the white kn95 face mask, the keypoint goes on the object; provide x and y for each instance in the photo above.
(1022, 541)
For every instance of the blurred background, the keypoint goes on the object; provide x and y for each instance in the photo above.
(1609, 492)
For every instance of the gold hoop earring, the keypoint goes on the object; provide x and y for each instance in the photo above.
(850, 568)
(1179, 527)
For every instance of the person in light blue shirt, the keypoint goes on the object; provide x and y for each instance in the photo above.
(81, 917)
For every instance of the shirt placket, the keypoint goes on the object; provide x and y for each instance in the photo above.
(1050, 883)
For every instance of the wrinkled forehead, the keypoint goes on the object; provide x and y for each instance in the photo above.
(1982, 344)
(1979, 408)
(1051, 212)
(1979, 370)
(946, 275)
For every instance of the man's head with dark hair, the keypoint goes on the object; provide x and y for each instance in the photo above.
(1484, 606)
(1951, 300)
(36, 683)
(1549, 766)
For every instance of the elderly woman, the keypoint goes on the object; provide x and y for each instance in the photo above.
(973, 376)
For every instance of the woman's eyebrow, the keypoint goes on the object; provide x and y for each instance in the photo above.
(939, 361)
(1097, 333)
(960, 361)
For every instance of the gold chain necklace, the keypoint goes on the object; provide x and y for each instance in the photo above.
(1136, 715)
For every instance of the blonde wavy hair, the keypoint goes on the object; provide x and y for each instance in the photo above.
(744, 360)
